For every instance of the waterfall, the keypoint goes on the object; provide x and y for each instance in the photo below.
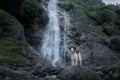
(51, 39)
(54, 42)
(66, 24)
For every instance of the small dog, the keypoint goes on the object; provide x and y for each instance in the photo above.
(75, 56)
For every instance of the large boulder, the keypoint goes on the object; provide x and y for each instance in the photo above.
(78, 73)
(104, 55)
(114, 44)
(31, 14)
(10, 26)
(11, 40)
(9, 74)
(111, 72)
(13, 45)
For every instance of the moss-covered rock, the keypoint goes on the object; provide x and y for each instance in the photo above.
(109, 68)
(114, 69)
(67, 6)
(10, 51)
(11, 40)
(29, 9)
(30, 13)
(10, 26)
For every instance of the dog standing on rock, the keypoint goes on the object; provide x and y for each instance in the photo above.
(75, 56)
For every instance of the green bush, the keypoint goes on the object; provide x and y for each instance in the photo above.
(108, 30)
(29, 9)
(10, 51)
(117, 20)
(96, 10)
(111, 68)
(99, 13)
(118, 10)
(78, 34)
(67, 6)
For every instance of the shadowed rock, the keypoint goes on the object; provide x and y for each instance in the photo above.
(15, 75)
(78, 73)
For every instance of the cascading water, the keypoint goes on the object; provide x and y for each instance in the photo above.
(51, 41)
(54, 40)
(64, 46)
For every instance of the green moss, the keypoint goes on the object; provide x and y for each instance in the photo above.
(67, 6)
(10, 51)
(99, 13)
(109, 68)
(113, 78)
(40, 1)
(10, 21)
(101, 59)
(78, 34)
(112, 68)
(96, 10)
(108, 30)
(85, 77)
(118, 10)
(117, 21)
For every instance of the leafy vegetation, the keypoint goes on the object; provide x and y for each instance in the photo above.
(118, 10)
(108, 30)
(98, 11)
(78, 34)
(30, 9)
(10, 51)
(67, 6)
(112, 68)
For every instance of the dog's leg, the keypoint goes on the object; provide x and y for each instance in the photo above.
(76, 62)
(72, 62)
(79, 58)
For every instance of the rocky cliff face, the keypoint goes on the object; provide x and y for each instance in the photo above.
(16, 51)
(89, 36)
(21, 28)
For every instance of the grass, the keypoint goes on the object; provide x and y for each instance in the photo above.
(10, 51)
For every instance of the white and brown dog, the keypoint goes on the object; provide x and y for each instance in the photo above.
(75, 56)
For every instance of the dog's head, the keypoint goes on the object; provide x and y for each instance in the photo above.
(72, 49)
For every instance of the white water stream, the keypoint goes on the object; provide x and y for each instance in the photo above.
(55, 37)
(54, 44)
(51, 40)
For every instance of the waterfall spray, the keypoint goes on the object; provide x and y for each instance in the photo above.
(51, 46)
(51, 39)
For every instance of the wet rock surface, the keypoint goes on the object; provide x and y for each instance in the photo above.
(100, 53)
(9, 74)
(77, 73)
